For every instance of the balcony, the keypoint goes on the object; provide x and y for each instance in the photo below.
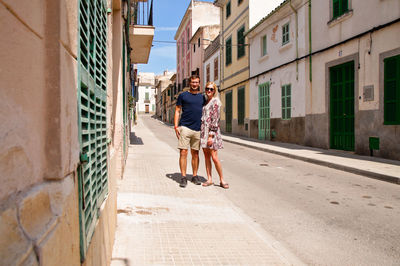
(141, 30)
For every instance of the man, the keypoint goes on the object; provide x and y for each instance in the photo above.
(190, 103)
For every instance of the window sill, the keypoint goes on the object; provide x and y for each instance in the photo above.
(341, 18)
(285, 47)
(263, 58)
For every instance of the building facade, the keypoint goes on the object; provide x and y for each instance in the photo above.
(277, 75)
(211, 63)
(235, 87)
(353, 101)
(64, 128)
(146, 102)
(197, 14)
(199, 42)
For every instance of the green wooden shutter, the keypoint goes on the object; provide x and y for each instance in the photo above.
(285, 34)
(286, 102)
(240, 41)
(339, 7)
(263, 111)
(264, 45)
(92, 107)
(228, 111)
(228, 51)
(241, 105)
(228, 9)
(392, 90)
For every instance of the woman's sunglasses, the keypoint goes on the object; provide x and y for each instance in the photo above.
(209, 89)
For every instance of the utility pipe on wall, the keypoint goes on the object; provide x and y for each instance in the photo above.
(297, 39)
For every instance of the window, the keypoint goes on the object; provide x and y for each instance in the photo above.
(285, 34)
(216, 69)
(228, 51)
(208, 73)
(239, 2)
(198, 42)
(146, 96)
(286, 102)
(240, 42)
(183, 49)
(228, 9)
(391, 85)
(194, 48)
(187, 40)
(169, 92)
(263, 45)
(240, 95)
(339, 7)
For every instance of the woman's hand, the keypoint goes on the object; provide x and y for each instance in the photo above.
(209, 140)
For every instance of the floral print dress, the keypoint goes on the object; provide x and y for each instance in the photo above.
(210, 124)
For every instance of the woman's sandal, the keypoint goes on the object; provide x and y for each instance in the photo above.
(206, 184)
(224, 185)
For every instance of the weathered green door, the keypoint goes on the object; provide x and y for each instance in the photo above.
(263, 111)
(228, 111)
(92, 107)
(342, 106)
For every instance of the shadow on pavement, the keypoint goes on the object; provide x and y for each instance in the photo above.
(125, 261)
(134, 140)
(177, 177)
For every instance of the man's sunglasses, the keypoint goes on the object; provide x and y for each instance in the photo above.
(209, 89)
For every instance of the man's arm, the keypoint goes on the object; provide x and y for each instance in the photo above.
(176, 120)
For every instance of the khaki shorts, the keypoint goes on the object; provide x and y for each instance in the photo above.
(188, 137)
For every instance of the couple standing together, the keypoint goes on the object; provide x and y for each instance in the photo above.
(199, 126)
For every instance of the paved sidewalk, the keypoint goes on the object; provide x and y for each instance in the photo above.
(374, 167)
(160, 223)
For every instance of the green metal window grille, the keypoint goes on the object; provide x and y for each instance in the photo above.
(240, 41)
(264, 112)
(286, 101)
(342, 106)
(264, 45)
(339, 7)
(228, 9)
(241, 105)
(228, 51)
(92, 114)
(392, 90)
(285, 34)
(146, 97)
(228, 111)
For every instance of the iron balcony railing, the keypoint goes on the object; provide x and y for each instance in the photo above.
(142, 13)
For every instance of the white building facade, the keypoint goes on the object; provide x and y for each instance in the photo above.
(211, 65)
(354, 100)
(277, 75)
(146, 103)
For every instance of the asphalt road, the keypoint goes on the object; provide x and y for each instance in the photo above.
(324, 216)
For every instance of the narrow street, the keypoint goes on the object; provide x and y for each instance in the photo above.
(308, 213)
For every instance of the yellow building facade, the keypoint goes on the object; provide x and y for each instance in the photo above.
(234, 85)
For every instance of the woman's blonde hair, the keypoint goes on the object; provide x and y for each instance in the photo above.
(215, 88)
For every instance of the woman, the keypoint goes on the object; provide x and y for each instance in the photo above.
(210, 135)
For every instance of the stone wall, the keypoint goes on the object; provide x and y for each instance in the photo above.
(39, 146)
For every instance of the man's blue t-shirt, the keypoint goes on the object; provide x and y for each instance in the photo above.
(192, 105)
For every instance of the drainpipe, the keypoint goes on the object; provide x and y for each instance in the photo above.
(297, 39)
(309, 38)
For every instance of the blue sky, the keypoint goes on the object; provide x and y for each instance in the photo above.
(167, 14)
